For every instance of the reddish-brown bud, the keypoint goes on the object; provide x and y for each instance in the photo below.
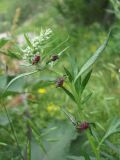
(36, 59)
(82, 126)
(59, 82)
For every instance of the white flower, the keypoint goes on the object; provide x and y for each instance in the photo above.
(37, 43)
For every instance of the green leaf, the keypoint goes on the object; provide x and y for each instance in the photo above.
(28, 41)
(3, 41)
(68, 74)
(49, 131)
(59, 45)
(61, 53)
(69, 116)
(113, 147)
(93, 59)
(100, 126)
(19, 76)
(73, 62)
(69, 93)
(113, 129)
(14, 54)
(3, 144)
(86, 98)
(85, 81)
(107, 155)
(78, 85)
(93, 132)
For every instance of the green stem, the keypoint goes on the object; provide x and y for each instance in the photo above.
(93, 146)
(29, 150)
(89, 136)
(100, 143)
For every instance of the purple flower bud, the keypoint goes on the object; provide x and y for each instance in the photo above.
(82, 126)
(59, 82)
(36, 59)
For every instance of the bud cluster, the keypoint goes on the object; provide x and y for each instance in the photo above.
(36, 45)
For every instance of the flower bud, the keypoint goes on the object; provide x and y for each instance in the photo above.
(59, 82)
(36, 59)
(82, 126)
(54, 57)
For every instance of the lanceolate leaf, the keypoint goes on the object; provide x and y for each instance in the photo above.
(93, 59)
(78, 85)
(69, 116)
(114, 128)
(19, 76)
(58, 46)
(85, 81)
(61, 53)
(69, 93)
(87, 98)
(68, 74)
(28, 41)
(14, 54)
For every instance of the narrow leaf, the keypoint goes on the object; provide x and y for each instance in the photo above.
(58, 46)
(113, 147)
(69, 116)
(14, 54)
(19, 76)
(113, 129)
(61, 53)
(86, 98)
(78, 85)
(28, 41)
(93, 59)
(68, 74)
(69, 93)
(85, 81)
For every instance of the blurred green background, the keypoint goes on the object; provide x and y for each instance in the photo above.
(87, 23)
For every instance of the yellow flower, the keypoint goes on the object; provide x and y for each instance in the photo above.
(42, 90)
